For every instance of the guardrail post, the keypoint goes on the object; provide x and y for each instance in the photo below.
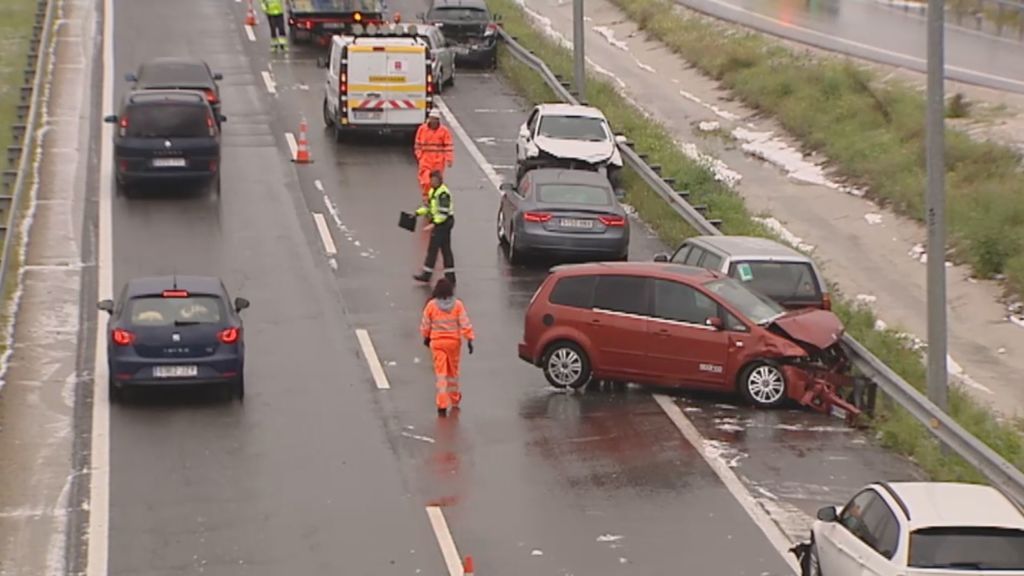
(655, 167)
(716, 222)
(5, 207)
(8, 178)
(18, 131)
(13, 153)
(26, 93)
(702, 208)
(22, 112)
(684, 194)
(671, 182)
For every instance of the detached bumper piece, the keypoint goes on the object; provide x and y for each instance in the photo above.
(822, 395)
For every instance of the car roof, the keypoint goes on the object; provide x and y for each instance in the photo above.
(157, 284)
(559, 109)
(480, 4)
(158, 96)
(749, 247)
(937, 504)
(172, 70)
(665, 270)
(566, 176)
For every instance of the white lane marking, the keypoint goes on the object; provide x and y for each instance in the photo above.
(334, 214)
(474, 151)
(99, 457)
(292, 144)
(379, 377)
(319, 185)
(731, 481)
(325, 234)
(426, 439)
(867, 47)
(250, 33)
(268, 81)
(445, 541)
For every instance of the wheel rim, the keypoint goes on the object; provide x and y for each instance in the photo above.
(501, 225)
(765, 384)
(565, 366)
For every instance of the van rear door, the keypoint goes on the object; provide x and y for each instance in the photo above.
(407, 95)
(367, 65)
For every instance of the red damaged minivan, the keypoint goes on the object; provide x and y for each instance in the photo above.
(673, 325)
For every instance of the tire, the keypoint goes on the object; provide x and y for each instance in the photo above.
(328, 119)
(122, 188)
(615, 177)
(763, 384)
(215, 185)
(566, 365)
(451, 81)
(238, 388)
(339, 134)
(114, 393)
(515, 256)
(502, 238)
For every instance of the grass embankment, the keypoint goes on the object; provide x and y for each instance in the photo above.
(895, 427)
(872, 132)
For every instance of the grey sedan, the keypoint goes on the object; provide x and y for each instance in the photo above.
(562, 213)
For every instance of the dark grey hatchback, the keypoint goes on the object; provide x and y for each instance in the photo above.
(166, 135)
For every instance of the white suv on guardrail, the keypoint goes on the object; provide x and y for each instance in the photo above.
(917, 529)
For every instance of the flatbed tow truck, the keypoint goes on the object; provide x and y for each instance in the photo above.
(316, 21)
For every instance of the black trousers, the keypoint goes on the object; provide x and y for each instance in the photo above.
(441, 241)
(277, 26)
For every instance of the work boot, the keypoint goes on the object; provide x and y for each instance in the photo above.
(422, 277)
(442, 411)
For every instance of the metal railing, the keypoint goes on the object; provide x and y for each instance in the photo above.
(19, 154)
(994, 17)
(1000, 473)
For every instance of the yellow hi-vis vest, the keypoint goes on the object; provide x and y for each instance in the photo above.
(439, 205)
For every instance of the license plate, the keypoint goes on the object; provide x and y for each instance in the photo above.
(366, 114)
(168, 162)
(175, 371)
(576, 223)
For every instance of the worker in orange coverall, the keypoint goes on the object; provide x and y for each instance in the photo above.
(445, 323)
(433, 148)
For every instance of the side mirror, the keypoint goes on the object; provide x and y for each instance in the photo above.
(321, 62)
(130, 77)
(507, 187)
(715, 322)
(828, 514)
(661, 257)
(223, 118)
(218, 76)
(112, 119)
(106, 306)
(241, 304)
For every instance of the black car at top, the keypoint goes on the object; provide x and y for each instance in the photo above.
(178, 74)
(166, 135)
(470, 29)
(175, 330)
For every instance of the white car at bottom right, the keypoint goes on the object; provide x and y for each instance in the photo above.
(918, 529)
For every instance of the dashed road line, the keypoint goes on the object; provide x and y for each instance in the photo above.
(445, 541)
(268, 81)
(250, 33)
(325, 234)
(293, 145)
(376, 369)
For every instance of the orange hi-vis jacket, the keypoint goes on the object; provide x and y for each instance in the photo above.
(434, 149)
(446, 320)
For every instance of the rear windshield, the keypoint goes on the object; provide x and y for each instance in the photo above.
(751, 304)
(459, 13)
(967, 548)
(167, 121)
(159, 311)
(573, 194)
(573, 128)
(780, 281)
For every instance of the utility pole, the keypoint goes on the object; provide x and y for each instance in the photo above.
(938, 382)
(580, 61)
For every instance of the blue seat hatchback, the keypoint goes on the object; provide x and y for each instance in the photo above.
(175, 330)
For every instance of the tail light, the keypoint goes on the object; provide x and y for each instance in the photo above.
(491, 30)
(612, 220)
(358, 17)
(536, 216)
(213, 165)
(826, 301)
(430, 82)
(122, 337)
(175, 294)
(124, 126)
(343, 83)
(211, 125)
(211, 96)
(230, 335)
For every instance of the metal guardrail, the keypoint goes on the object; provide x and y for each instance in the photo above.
(25, 130)
(987, 16)
(1003, 475)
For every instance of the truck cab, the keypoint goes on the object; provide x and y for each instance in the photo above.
(378, 79)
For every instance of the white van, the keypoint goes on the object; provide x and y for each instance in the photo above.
(379, 80)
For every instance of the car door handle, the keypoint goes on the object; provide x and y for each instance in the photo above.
(595, 321)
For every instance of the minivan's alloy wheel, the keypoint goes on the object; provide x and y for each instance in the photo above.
(566, 366)
(501, 227)
(763, 385)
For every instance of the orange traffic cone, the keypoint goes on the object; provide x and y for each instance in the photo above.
(250, 15)
(467, 566)
(302, 154)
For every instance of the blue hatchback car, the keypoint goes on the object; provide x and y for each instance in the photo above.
(175, 330)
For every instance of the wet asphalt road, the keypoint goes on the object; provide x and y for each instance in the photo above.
(320, 472)
(869, 30)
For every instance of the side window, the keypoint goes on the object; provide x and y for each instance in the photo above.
(732, 323)
(628, 294)
(853, 512)
(711, 261)
(680, 256)
(681, 303)
(531, 123)
(694, 256)
(881, 528)
(574, 291)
